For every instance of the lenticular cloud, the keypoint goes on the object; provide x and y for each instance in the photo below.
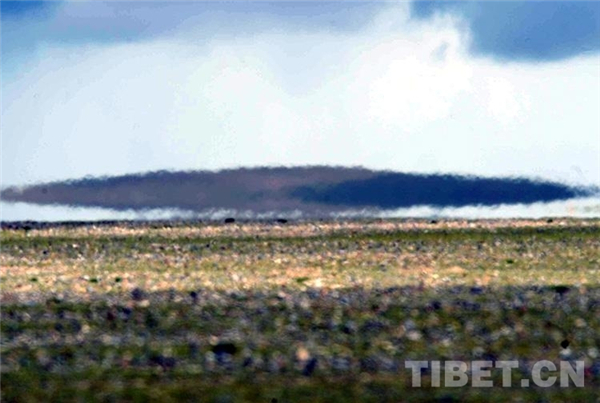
(313, 191)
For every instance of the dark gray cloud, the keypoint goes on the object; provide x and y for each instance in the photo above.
(525, 30)
(19, 9)
(316, 190)
(513, 30)
(395, 190)
(105, 22)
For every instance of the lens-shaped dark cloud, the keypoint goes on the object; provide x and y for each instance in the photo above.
(394, 190)
(313, 190)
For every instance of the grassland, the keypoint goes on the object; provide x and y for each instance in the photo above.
(301, 311)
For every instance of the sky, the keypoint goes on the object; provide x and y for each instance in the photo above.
(480, 88)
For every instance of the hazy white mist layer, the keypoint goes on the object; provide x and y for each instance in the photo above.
(401, 94)
(581, 208)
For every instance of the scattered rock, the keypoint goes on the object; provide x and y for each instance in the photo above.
(369, 365)
(447, 399)
(224, 348)
(310, 367)
(137, 294)
(349, 327)
(164, 362)
(302, 354)
(373, 326)
(194, 296)
(561, 289)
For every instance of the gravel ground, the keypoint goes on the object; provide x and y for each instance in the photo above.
(293, 311)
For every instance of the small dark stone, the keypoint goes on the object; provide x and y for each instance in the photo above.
(172, 294)
(369, 364)
(565, 343)
(45, 252)
(151, 321)
(433, 222)
(162, 361)
(549, 220)
(476, 290)
(349, 328)
(224, 348)
(595, 369)
(392, 290)
(561, 289)
(320, 326)
(468, 305)
(137, 294)
(65, 355)
(229, 220)
(193, 349)
(169, 362)
(437, 305)
(281, 220)
(75, 325)
(194, 296)
(446, 399)
(310, 367)
(312, 293)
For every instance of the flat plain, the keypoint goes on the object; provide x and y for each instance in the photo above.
(274, 311)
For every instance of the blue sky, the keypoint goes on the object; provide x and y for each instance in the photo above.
(484, 88)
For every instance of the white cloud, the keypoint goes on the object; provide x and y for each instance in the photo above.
(400, 94)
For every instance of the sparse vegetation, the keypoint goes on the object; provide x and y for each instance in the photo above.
(306, 311)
